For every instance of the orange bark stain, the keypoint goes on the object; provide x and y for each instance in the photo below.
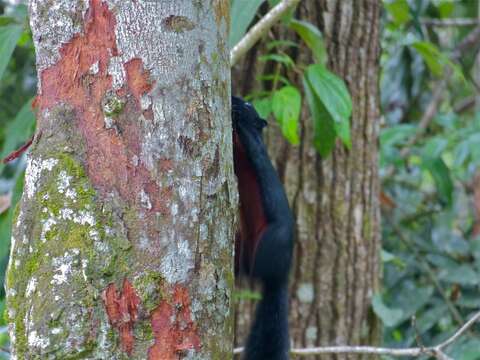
(122, 311)
(139, 83)
(173, 328)
(165, 165)
(73, 80)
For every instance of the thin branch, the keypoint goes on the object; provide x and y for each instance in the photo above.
(428, 115)
(468, 43)
(460, 331)
(450, 22)
(436, 351)
(259, 29)
(17, 153)
(464, 104)
(418, 336)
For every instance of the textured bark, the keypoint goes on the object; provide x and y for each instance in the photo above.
(122, 245)
(335, 200)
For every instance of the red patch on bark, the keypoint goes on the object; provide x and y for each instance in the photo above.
(139, 83)
(165, 165)
(173, 328)
(122, 311)
(80, 79)
(35, 103)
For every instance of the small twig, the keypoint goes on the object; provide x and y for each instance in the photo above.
(464, 104)
(17, 153)
(460, 331)
(259, 29)
(450, 22)
(468, 43)
(428, 115)
(425, 121)
(418, 337)
(437, 351)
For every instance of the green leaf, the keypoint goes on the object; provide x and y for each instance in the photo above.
(387, 256)
(323, 128)
(24, 38)
(469, 300)
(273, 77)
(281, 58)
(312, 37)
(286, 105)
(263, 107)
(461, 153)
(390, 317)
(402, 300)
(428, 319)
(241, 14)
(7, 217)
(436, 60)
(431, 55)
(7, 20)
(9, 36)
(281, 44)
(20, 12)
(396, 134)
(442, 178)
(463, 275)
(434, 147)
(18, 131)
(446, 8)
(332, 92)
(398, 10)
(465, 349)
(17, 15)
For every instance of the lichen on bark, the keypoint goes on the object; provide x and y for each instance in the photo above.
(123, 240)
(63, 247)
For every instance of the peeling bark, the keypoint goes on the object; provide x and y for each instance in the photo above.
(335, 200)
(122, 245)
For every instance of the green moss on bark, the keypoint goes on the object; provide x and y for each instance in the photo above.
(65, 245)
(149, 287)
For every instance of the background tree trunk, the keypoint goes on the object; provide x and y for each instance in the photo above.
(335, 199)
(122, 244)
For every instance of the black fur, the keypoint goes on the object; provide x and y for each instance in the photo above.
(269, 338)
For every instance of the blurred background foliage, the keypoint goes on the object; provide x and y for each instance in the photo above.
(430, 151)
(430, 157)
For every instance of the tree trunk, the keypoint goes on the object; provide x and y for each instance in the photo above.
(122, 244)
(335, 200)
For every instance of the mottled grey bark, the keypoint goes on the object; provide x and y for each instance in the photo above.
(335, 200)
(122, 244)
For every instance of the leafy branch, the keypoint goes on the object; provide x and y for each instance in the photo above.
(327, 95)
(259, 29)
